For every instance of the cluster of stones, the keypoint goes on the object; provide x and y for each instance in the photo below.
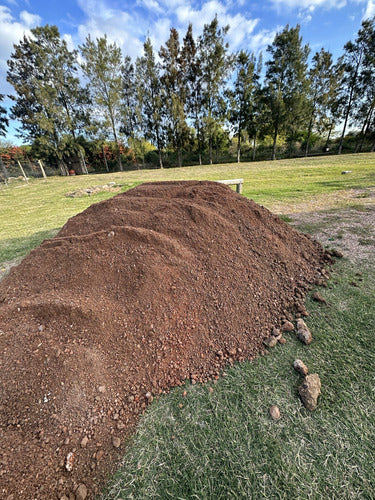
(310, 388)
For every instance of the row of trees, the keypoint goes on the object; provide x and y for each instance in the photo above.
(189, 95)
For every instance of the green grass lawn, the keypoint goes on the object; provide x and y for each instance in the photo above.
(223, 444)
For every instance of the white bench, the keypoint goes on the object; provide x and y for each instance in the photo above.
(234, 182)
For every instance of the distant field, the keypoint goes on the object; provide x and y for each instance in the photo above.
(33, 212)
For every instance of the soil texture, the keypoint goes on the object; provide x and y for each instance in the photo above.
(164, 283)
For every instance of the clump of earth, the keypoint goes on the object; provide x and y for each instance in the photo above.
(166, 282)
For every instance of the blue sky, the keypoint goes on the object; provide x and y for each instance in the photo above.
(324, 23)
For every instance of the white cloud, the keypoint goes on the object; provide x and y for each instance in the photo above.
(152, 5)
(260, 41)
(370, 10)
(119, 26)
(130, 28)
(160, 33)
(309, 5)
(30, 20)
(69, 41)
(241, 28)
(11, 32)
(304, 17)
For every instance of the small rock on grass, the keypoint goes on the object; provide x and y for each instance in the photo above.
(309, 391)
(282, 340)
(318, 298)
(274, 412)
(337, 253)
(304, 333)
(287, 326)
(300, 367)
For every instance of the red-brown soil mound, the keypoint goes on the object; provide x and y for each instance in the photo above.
(166, 282)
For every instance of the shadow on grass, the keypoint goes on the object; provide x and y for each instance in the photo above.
(14, 248)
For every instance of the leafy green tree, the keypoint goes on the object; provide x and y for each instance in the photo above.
(259, 122)
(192, 76)
(175, 86)
(241, 96)
(151, 97)
(102, 66)
(324, 82)
(357, 55)
(4, 122)
(50, 103)
(215, 66)
(131, 113)
(286, 83)
(363, 108)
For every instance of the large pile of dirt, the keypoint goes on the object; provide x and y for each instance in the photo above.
(167, 282)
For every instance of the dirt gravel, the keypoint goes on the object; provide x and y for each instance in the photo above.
(164, 283)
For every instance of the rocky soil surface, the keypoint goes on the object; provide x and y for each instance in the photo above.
(135, 295)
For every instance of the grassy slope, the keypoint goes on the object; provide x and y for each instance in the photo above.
(31, 213)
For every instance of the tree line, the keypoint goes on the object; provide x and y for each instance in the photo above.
(193, 95)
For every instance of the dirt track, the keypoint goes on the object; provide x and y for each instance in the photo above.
(167, 282)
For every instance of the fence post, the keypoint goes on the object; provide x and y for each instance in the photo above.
(42, 169)
(22, 170)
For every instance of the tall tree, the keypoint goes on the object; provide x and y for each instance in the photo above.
(324, 82)
(364, 106)
(50, 102)
(192, 76)
(241, 96)
(102, 66)
(130, 120)
(4, 122)
(151, 97)
(354, 59)
(286, 82)
(215, 65)
(174, 83)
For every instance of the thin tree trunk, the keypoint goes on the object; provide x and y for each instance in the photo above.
(200, 159)
(179, 158)
(4, 170)
(274, 143)
(210, 150)
(348, 107)
(366, 126)
(105, 160)
(239, 147)
(254, 145)
(63, 168)
(329, 135)
(160, 159)
(309, 134)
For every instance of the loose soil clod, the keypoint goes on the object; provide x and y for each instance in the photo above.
(309, 391)
(135, 295)
(304, 333)
(300, 367)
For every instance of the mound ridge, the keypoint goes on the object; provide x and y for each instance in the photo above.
(166, 282)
